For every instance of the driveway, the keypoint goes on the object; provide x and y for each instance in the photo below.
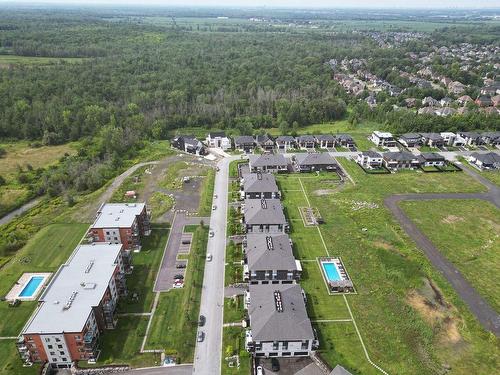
(167, 271)
(209, 352)
(484, 313)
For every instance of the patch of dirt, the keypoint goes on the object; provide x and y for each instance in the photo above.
(493, 224)
(439, 314)
(321, 192)
(383, 245)
(451, 219)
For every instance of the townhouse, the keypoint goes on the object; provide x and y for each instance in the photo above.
(264, 216)
(264, 142)
(431, 159)
(306, 142)
(188, 144)
(410, 140)
(285, 142)
(245, 143)
(369, 159)
(279, 325)
(400, 160)
(452, 139)
(125, 223)
(383, 139)
(487, 161)
(259, 186)
(471, 138)
(76, 307)
(218, 140)
(269, 259)
(272, 163)
(325, 141)
(432, 139)
(491, 138)
(313, 161)
(345, 140)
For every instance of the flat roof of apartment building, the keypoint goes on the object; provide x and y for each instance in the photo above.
(269, 252)
(278, 313)
(117, 215)
(75, 288)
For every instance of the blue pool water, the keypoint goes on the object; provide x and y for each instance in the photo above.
(32, 285)
(331, 271)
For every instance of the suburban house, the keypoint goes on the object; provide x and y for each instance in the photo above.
(452, 139)
(268, 163)
(314, 161)
(259, 186)
(339, 370)
(306, 142)
(369, 159)
(188, 144)
(279, 325)
(218, 140)
(410, 140)
(383, 139)
(429, 101)
(471, 138)
(446, 101)
(244, 143)
(431, 159)
(345, 140)
(264, 216)
(432, 139)
(490, 160)
(400, 160)
(76, 307)
(269, 259)
(285, 142)
(491, 138)
(325, 141)
(464, 99)
(124, 223)
(265, 142)
(483, 101)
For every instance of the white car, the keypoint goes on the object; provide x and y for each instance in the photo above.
(260, 370)
(178, 285)
(211, 233)
(214, 207)
(209, 257)
(215, 196)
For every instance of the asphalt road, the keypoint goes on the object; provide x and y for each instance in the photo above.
(484, 313)
(208, 353)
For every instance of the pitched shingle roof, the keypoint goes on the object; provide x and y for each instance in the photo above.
(268, 324)
(489, 158)
(259, 183)
(265, 160)
(269, 252)
(314, 158)
(243, 140)
(264, 211)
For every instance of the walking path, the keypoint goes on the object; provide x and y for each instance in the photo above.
(17, 212)
(484, 313)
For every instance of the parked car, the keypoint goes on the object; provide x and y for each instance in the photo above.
(260, 370)
(202, 320)
(201, 336)
(179, 277)
(180, 265)
(209, 257)
(214, 207)
(178, 284)
(275, 365)
(211, 233)
(215, 196)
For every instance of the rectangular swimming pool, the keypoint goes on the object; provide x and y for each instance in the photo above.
(31, 286)
(331, 271)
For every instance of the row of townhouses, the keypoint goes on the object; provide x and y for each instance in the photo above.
(386, 139)
(276, 304)
(80, 301)
(248, 143)
(300, 162)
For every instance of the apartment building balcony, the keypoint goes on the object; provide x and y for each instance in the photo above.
(109, 314)
(23, 350)
(249, 343)
(90, 340)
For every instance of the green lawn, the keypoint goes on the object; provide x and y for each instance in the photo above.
(175, 322)
(467, 233)
(234, 309)
(386, 269)
(233, 342)
(159, 203)
(11, 363)
(44, 252)
(206, 195)
(171, 179)
(142, 279)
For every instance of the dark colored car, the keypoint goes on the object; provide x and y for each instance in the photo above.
(275, 365)
(180, 277)
(181, 265)
(202, 320)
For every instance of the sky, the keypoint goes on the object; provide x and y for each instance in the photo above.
(450, 4)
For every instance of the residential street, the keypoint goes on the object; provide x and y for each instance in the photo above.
(484, 313)
(208, 353)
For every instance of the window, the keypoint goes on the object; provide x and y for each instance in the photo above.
(285, 354)
(65, 359)
(276, 345)
(58, 339)
(285, 345)
(54, 359)
(59, 346)
(305, 344)
(52, 353)
(78, 337)
(273, 354)
(61, 352)
(107, 233)
(116, 238)
(49, 346)
(47, 339)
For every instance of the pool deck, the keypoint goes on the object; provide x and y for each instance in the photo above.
(21, 283)
(334, 260)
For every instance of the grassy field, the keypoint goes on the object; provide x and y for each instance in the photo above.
(207, 193)
(45, 252)
(142, 279)
(493, 176)
(11, 364)
(390, 276)
(160, 203)
(173, 331)
(467, 232)
(233, 342)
